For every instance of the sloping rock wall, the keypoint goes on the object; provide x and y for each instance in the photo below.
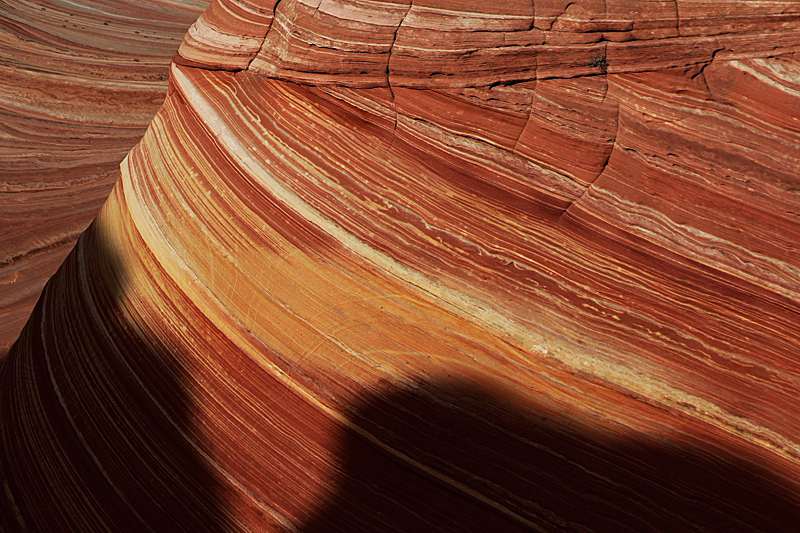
(434, 266)
(79, 83)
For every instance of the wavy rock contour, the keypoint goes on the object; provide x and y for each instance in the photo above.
(434, 266)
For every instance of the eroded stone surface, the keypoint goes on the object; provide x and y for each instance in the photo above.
(441, 266)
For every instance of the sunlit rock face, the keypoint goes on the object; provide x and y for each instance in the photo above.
(79, 83)
(434, 266)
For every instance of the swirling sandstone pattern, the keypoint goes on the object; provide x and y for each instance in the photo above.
(79, 82)
(434, 266)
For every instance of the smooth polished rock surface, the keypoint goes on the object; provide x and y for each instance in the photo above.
(79, 83)
(434, 266)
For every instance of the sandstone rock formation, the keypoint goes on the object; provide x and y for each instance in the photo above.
(434, 266)
(79, 82)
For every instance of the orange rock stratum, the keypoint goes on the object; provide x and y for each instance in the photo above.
(434, 265)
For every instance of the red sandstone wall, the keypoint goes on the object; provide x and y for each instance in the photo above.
(434, 266)
(78, 85)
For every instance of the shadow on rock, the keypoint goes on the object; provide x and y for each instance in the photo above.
(95, 418)
(99, 431)
(455, 458)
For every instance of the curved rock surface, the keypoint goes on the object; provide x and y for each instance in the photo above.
(79, 83)
(434, 266)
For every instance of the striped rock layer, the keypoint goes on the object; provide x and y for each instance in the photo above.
(79, 83)
(434, 266)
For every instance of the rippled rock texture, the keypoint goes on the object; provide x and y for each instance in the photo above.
(434, 266)
(79, 83)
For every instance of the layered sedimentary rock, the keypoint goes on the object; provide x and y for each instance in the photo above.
(79, 83)
(434, 266)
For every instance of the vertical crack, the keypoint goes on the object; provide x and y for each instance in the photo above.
(389, 74)
(533, 15)
(701, 72)
(524, 127)
(614, 146)
(391, 49)
(266, 34)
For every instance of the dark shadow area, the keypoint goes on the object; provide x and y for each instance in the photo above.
(485, 465)
(95, 419)
(98, 433)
